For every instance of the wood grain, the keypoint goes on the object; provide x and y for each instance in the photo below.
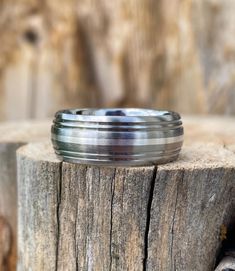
(38, 230)
(12, 136)
(175, 55)
(166, 217)
(91, 223)
(188, 209)
(43, 61)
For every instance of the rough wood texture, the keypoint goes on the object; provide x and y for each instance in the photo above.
(167, 54)
(85, 213)
(168, 217)
(12, 136)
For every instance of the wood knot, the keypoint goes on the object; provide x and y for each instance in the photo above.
(31, 36)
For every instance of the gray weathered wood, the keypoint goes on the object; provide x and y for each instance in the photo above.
(78, 217)
(189, 206)
(168, 217)
(12, 136)
(38, 206)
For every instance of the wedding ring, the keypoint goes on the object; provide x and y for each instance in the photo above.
(117, 136)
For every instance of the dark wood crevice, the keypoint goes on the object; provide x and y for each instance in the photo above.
(148, 218)
(111, 217)
(59, 187)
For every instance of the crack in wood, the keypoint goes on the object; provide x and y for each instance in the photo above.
(59, 187)
(75, 237)
(111, 217)
(148, 218)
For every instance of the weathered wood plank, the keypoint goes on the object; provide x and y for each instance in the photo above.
(38, 199)
(189, 207)
(12, 136)
(89, 211)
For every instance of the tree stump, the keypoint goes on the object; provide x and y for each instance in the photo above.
(12, 136)
(165, 217)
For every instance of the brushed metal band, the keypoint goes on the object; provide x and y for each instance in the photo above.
(117, 136)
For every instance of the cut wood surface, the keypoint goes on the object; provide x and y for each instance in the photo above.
(166, 217)
(12, 136)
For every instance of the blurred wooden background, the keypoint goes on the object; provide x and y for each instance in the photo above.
(174, 54)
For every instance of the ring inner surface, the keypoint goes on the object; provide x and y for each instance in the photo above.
(132, 112)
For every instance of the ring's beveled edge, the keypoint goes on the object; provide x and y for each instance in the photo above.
(161, 116)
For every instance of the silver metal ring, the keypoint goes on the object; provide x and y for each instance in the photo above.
(117, 136)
